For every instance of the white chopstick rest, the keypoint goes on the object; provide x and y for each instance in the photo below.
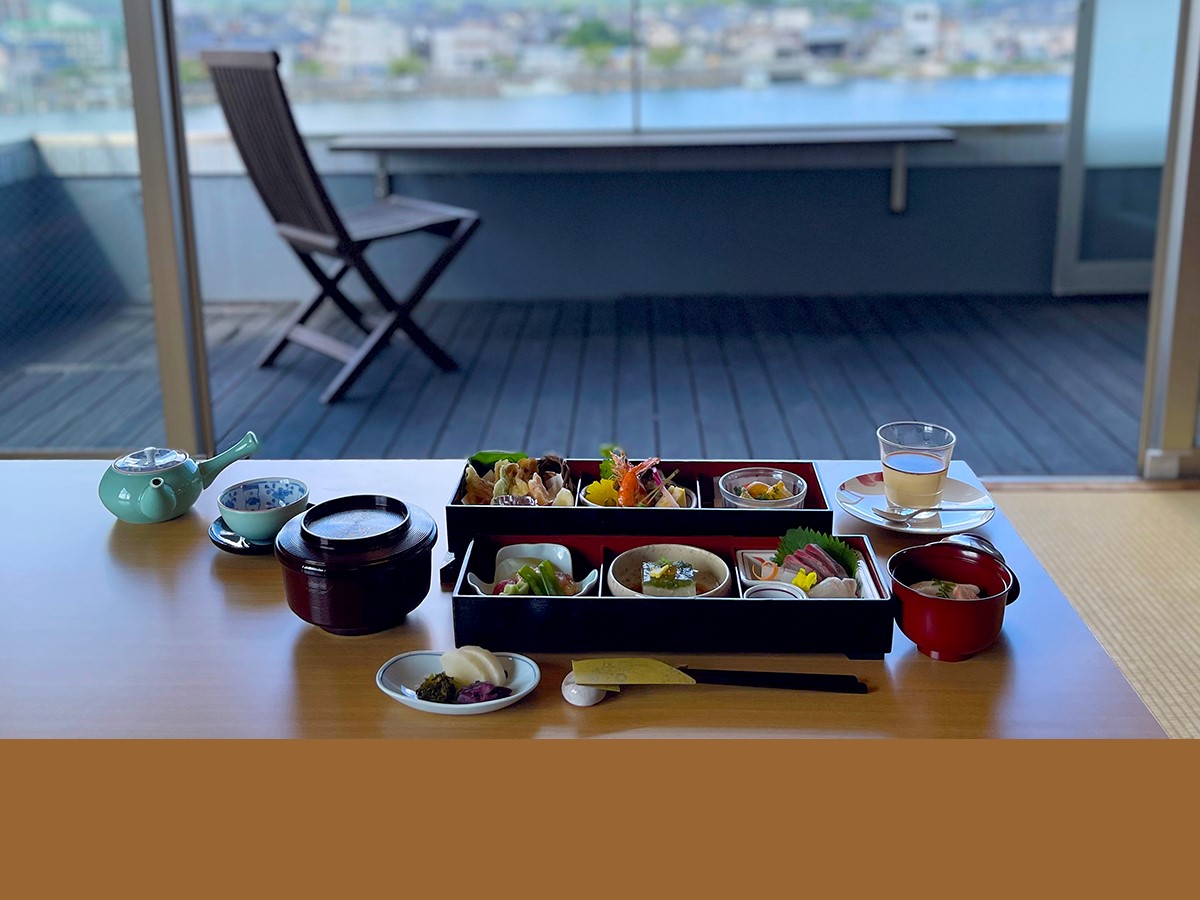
(581, 694)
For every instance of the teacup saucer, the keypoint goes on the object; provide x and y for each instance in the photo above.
(862, 495)
(225, 538)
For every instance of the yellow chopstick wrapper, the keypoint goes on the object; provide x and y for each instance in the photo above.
(627, 670)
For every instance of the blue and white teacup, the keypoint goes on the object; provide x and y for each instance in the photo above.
(259, 508)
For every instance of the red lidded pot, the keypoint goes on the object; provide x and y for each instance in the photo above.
(357, 564)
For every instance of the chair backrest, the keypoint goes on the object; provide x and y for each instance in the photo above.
(259, 118)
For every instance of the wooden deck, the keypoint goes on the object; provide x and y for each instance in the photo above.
(1032, 387)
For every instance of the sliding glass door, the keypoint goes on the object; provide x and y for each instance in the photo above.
(1170, 442)
(1111, 178)
(79, 369)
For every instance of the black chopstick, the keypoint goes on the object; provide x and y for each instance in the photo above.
(796, 681)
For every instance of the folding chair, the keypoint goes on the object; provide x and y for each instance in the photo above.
(260, 120)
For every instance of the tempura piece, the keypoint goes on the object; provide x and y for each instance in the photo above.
(503, 485)
(478, 489)
(527, 482)
(518, 486)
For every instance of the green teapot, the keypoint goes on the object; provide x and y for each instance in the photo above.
(154, 485)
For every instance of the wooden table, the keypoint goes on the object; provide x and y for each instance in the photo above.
(118, 630)
(693, 140)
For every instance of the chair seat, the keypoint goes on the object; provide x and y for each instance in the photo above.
(398, 215)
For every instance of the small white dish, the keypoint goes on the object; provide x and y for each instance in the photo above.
(510, 559)
(750, 563)
(773, 590)
(862, 495)
(408, 670)
(626, 569)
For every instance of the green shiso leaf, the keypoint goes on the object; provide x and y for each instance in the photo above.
(606, 463)
(489, 458)
(797, 538)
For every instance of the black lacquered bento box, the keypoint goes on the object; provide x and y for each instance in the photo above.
(859, 627)
(464, 522)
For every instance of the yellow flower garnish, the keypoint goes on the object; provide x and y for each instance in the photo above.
(805, 580)
(602, 492)
(778, 491)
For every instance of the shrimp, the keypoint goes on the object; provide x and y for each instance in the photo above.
(629, 481)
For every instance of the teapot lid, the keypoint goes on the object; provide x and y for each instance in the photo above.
(152, 459)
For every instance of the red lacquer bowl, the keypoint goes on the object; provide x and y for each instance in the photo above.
(950, 630)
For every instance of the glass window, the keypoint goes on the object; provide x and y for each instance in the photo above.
(588, 65)
(770, 63)
(424, 66)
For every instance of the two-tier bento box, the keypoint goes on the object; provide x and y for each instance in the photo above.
(610, 616)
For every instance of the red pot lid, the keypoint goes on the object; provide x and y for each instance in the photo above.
(353, 532)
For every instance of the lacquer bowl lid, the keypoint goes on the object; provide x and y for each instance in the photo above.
(354, 532)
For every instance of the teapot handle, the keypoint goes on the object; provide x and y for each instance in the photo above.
(211, 468)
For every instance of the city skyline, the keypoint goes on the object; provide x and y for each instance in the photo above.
(69, 55)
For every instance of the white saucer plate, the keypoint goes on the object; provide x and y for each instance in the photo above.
(408, 670)
(863, 495)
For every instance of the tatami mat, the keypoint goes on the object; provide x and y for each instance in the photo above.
(1127, 559)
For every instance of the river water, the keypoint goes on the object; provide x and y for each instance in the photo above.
(1007, 99)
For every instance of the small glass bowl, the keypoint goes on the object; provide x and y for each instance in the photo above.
(730, 485)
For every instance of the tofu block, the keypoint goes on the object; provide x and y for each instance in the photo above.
(668, 579)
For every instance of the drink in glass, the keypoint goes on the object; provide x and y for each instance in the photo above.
(915, 457)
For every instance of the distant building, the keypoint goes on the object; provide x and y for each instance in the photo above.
(828, 41)
(1045, 41)
(921, 23)
(661, 35)
(887, 51)
(791, 23)
(792, 18)
(752, 43)
(970, 42)
(469, 49)
(57, 46)
(354, 45)
(549, 59)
